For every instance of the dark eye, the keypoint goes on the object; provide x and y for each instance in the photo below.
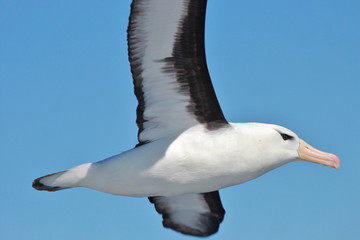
(286, 137)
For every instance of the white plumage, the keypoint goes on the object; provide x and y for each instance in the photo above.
(194, 162)
(187, 150)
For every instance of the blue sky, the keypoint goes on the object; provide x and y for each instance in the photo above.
(66, 98)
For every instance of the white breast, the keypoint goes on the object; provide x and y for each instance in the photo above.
(197, 161)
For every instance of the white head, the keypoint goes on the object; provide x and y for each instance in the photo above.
(276, 145)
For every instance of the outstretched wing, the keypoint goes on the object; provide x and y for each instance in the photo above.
(167, 58)
(198, 214)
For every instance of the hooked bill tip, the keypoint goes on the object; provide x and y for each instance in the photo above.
(336, 160)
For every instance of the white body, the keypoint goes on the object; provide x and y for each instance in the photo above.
(187, 150)
(196, 161)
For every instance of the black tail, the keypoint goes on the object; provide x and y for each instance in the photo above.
(38, 185)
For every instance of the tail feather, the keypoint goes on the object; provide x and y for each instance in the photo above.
(39, 185)
(63, 180)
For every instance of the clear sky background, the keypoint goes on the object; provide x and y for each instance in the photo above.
(66, 98)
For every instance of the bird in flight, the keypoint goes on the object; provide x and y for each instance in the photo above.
(187, 150)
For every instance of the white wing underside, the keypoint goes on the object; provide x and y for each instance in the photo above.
(174, 89)
(165, 111)
(195, 214)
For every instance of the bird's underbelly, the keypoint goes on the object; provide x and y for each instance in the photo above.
(193, 162)
(166, 174)
(166, 182)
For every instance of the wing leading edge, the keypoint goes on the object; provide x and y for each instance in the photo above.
(168, 64)
(198, 214)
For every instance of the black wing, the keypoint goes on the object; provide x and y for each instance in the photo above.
(198, 214)
(168, 64)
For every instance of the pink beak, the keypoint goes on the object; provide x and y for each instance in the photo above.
(308, 153)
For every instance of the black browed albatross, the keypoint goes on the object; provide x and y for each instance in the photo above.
(187, 150)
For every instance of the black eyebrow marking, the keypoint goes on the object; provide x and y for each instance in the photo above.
(285, 136)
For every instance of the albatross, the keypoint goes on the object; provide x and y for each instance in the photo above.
(187, 150)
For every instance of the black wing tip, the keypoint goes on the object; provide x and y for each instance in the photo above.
(189, 231)
(214, 202)
(211, 229)
(210, 222)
